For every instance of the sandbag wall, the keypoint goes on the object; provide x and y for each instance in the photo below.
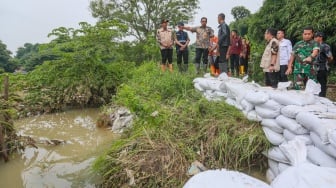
(284, 115)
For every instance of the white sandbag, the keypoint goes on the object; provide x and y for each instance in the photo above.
(208, 75)
(291, 111)
(282, 167)
(303, 174)
(326, 115)
(209, 84)
(325, 101)
(221, 94)
(269, 175)
(256, 97)
(319, 158)
(276, 154)
(223, 76)
(213, 94)
(273, 125)
(238, 90)
(267, 113)
(224, 178)
(272, 105)
(198, 79)
(332, 137)
(313, 123)
(292, 97)
(284, 85)
(247, 106)
(239, 107)
(273, 137)
(198, 87)
(234, 89)
(331, 109)
(288, 135)
(253, 116)
(313, 87)
(230, 101)
(291, 124)
(274, 167)
(214, 84)
(326, 148)
(319, 108)
(222, 86)
(291, 136)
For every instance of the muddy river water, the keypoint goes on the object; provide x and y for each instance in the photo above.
(64, 165)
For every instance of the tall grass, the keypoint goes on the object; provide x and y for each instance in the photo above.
(158, 151)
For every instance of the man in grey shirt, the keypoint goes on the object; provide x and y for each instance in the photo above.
(223, 43)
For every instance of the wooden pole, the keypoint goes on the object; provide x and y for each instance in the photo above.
(3, 145)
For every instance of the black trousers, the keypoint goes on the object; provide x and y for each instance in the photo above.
(167, 55)
(201, 53)
(282, 75)
(222, 61)
(234, 63)
(322, 78)
(184, 54)
(272, 79)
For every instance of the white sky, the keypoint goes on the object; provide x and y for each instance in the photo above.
(30, 21)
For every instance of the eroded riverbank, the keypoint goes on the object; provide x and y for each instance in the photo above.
(64, 165)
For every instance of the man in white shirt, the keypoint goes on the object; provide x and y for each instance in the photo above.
(285, 53)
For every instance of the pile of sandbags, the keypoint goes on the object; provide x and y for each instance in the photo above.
(284, 115)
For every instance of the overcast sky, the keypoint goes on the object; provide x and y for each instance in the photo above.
(30, 21)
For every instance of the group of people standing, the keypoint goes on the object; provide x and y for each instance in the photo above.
(308, 59)
(217, 50)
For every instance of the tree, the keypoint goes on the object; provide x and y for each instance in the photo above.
(240, 12)
(6, 65)
(293, 16)
(143, 16)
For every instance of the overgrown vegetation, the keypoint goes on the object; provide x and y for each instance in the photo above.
(159, 149)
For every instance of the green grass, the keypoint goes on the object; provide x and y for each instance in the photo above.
(158, 151)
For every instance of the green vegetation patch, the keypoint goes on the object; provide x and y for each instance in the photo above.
(159, 149)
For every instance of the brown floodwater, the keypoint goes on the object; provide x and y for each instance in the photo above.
(64, 165)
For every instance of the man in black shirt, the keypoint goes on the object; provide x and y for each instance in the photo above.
(182, 41)
(324, 57)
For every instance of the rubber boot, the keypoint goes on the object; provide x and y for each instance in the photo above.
(163, 67)
(197, 66)
(170, 67)
(212, 70)
(217, 72)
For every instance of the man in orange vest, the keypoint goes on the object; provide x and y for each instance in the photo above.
(213, 56)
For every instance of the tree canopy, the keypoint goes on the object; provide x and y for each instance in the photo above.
(240, 12)
(143, 16)
(6, 65)
(293, 16)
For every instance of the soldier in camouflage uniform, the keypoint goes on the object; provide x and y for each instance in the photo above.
(303, 57)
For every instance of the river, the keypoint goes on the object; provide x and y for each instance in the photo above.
(64, 165)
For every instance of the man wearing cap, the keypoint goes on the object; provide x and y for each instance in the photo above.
(182, 41)
(203, 35)
(301, 62)
(164, 36)
(324, 57)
